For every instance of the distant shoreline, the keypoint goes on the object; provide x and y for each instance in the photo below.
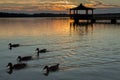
(7, 15)
(22, 15)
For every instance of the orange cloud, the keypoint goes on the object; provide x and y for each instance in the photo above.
(35, 5)
(99, 4)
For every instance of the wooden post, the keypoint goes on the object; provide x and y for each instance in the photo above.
(93, 21)
(92, 12)
(70, 12)
(86, 12)
(113, 21)
(74, 12)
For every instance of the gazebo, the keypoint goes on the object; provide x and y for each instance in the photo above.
(81, 7)
(76, 15)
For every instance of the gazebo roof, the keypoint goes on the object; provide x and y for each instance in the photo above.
(81, 7)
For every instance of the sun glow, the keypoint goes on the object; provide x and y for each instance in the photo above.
(53, 5)
(33, 27)
(34, 5)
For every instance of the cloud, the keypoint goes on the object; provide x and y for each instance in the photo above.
(99, 4)
(44, 5)
(37, 5)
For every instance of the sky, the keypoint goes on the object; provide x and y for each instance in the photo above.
(53, 5)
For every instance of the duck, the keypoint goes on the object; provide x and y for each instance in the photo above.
(25, 58)
(17, 66)
(52, 68)
(40, 51)
(13, 45)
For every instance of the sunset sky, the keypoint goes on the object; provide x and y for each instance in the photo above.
(52, 5)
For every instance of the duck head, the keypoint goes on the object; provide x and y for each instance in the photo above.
(10, 46)
(37, 49)
(57, 64)
(46, 67)
(10, 69)
(47, 70)
(10, 66)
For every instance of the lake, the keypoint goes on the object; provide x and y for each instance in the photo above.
(84, 51)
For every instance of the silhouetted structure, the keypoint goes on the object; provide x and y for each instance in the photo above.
(89, 15)
(76, 15)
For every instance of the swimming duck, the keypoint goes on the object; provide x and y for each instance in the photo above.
(51, 68)
(40, 51)
(13, 45)
(25, 58)
(15, 66)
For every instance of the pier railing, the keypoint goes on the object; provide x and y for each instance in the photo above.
(112, 17)
(106, 16)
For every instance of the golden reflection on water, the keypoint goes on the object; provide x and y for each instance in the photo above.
(33, 27)
(41, 26)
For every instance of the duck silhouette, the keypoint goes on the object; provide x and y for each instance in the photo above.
(40, 51)
(13, 45)
(52, 68)
(25, 58)
(17, 66)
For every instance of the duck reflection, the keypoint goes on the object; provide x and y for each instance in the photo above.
(9, 71)
(81, 28)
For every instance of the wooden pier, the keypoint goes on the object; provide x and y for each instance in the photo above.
(113, 18)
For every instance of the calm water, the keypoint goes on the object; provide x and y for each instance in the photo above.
(85, 52)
